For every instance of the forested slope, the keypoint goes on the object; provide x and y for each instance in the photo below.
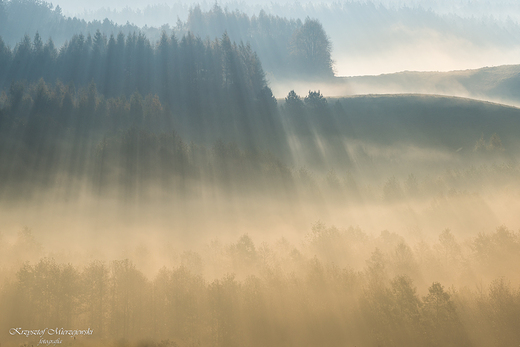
(287, 47)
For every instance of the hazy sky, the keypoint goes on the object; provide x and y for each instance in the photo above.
(470, 8)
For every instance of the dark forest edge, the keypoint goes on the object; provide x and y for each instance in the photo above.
(177, 70)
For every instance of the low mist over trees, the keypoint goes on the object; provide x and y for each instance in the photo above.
(205, 84)
(311, 49)
(338, 285)
(26, 17)
(287, 47)
(51, 134)
(103, 138)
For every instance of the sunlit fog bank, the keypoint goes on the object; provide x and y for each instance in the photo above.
(410, 164)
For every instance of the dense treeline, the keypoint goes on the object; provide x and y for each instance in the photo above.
(214, 88)
(189, 74)
(56, 131)
(280, 294)
(286, 47)
(47, 131)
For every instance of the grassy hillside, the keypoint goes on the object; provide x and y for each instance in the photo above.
(489, 83)
(408, 130)
(429, 119)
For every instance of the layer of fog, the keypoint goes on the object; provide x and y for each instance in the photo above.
(398, 163)
(154, 236)
(96, 9)
(413, 191)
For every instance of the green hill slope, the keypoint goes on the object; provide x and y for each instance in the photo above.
(403, 129)
(501, 83)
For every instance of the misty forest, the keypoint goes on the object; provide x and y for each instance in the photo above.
(259, 174)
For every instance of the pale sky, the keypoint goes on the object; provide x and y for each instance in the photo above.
(501, 8)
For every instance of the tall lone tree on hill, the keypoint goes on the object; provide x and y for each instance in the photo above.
(311, 49)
